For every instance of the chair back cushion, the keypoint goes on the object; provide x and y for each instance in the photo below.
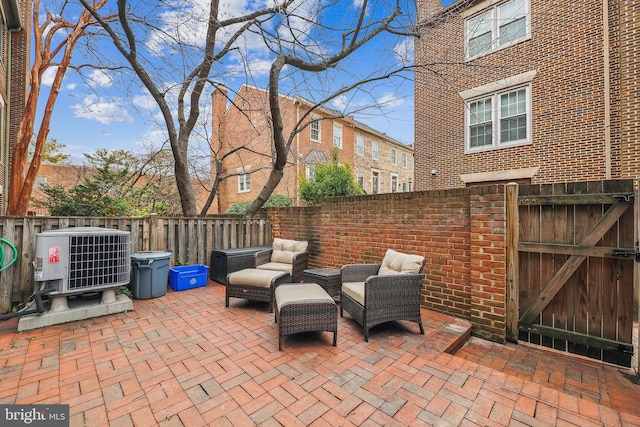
(397, 262)
(283, 249)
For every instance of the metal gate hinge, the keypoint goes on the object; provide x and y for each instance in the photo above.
(624, 198)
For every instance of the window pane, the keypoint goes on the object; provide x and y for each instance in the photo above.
(480, 135)
(513, 103)
(512, 10)
(337, 136)
(480, 111)
(479, 36)
(513, 129)
(479, 25)
(315, 130)
(480, 44)
(512, 22)
(512, 31)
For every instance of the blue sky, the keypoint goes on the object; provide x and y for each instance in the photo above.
(100, 109)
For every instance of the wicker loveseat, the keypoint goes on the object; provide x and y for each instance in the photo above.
(289, 256)
(376, 293)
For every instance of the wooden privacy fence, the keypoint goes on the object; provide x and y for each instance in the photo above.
(190, 241)
(572, 285)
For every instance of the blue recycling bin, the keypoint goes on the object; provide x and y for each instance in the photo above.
(149, 274)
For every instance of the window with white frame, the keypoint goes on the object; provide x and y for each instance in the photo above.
(394, 183)
(405, 160)
(311, 173)
(360, 180)
(394, 156)
(337, 136)
(500, 119)
(374, 150)
(501, 26)
(360, 145)
(315, 130)
(375, 178)
(244, 183)
(404, 186)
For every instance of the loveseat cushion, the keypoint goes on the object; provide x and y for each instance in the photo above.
(355, 290)
(284, 249)
(397, 262)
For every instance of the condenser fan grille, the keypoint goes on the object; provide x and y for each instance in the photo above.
(98, 260)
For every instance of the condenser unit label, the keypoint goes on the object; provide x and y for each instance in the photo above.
(54, 255)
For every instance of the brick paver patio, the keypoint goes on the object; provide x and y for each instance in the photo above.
(185, 360)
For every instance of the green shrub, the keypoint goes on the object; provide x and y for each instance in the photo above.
(274, 201)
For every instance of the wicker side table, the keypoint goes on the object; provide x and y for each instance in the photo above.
(328, 278)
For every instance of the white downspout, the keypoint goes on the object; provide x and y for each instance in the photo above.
(296, 180)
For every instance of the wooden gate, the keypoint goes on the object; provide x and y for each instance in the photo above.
(577, 250)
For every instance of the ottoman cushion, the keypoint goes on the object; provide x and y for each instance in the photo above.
(300, 294)
(253, 277)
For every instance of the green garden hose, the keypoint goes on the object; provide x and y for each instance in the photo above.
(15, 254)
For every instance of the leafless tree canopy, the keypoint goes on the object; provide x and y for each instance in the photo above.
(181, 50)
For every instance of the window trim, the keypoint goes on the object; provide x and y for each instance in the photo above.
(375, 153)
(338, 126)
(493, 8)
(405, 160)
(359, 146)
(243, 174)
(242, 181)
(394, 156)
(315, 120)
(494, 89)
(496, 119)
(394, 177)
(375, 176)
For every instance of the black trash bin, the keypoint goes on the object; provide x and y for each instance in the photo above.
(149, 274)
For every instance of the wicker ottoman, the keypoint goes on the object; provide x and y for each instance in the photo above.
(304, 307)
(254, 284)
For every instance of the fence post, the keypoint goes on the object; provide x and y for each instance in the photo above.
(513, 228)
(153, 232)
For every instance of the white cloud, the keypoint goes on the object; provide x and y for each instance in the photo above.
(71, 86)
(100, 78)
(389, 100)
(340, 103)
(48, 75)
(94, 108)
(404, 50)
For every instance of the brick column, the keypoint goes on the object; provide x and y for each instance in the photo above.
(488, 278)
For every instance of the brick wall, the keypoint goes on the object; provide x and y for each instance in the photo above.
(629, 40)
(461, 233)
(568, 107)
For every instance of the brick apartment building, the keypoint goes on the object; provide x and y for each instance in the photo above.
(527, 90)
(379, 163)
(15, 39)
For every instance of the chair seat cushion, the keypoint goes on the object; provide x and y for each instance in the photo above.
(253, 277)
(355, 290)
(278, 266)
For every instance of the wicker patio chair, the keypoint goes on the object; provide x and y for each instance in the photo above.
(289, 256)
(377, 293)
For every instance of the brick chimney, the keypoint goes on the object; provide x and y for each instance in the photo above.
(427, 8)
